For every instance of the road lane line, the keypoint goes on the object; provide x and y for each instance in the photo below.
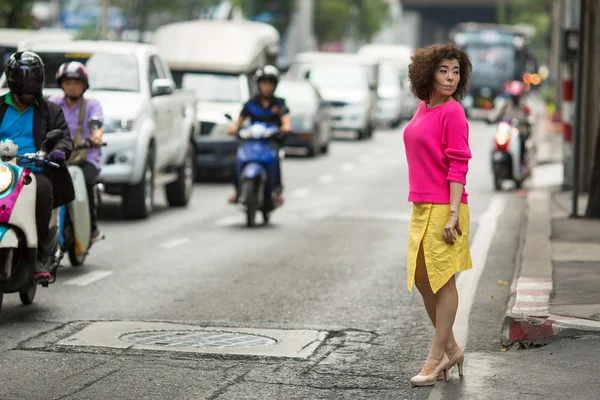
(347, 167)
(468, 281)
(230, 220)
(300, 192)
(88, 278)
(171, 244)
(327, 178)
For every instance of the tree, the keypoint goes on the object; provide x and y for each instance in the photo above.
(275, 12)
(330, 20)
(373, 15)
(16, 13)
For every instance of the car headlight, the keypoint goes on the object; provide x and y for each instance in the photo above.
(6, 178)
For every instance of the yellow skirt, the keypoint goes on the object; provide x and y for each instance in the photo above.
(442, 260)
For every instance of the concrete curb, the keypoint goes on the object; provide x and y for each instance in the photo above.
(527, 318)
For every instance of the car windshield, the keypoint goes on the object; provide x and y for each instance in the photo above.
(389, 75)
(297, 95)
(492, 65)
(210, 87)
(339, 76)
(114, 72)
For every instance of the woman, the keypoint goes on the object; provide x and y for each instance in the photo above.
(437, 151)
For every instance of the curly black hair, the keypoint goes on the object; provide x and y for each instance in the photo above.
(425, 62)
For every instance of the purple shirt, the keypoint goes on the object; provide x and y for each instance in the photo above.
(92, 109)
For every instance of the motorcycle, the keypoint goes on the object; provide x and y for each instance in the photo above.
(74, 218)
(255, 163)
(18, 233)
(506, 150)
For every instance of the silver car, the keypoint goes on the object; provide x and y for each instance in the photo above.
(311, 119)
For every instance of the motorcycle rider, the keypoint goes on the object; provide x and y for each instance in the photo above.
(265, 108)
(26, 118)
(515, 108)
(73, 79)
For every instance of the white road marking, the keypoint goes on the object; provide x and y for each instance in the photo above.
(347, 167)
(300, 192)
(171, 244)
(467, 282)
(88, 278)
(230, 220)
(327, 178)
(365, 159)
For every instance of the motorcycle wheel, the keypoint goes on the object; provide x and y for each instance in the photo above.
(266, 217)
(250, 201)
(27, 295)
(77, 260)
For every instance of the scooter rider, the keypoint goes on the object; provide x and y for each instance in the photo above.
(516, 108)
(26, 118)
(72, 77)
(266, 108)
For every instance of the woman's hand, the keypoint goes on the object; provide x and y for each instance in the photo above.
(450, 227)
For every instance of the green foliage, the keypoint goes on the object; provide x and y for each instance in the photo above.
(281, 9)
(373, 15)
(333, 18)
(330, 20)
(16, 13)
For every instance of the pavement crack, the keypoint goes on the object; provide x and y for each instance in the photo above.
(88, 384)
(216, 394)
(100, 364)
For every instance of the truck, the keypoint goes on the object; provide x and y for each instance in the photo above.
(148, 123)
(222, 80)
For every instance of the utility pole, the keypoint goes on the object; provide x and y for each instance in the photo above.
(103, 23)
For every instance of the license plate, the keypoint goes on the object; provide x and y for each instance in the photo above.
(345, 133)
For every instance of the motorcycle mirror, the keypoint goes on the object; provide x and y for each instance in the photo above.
(94, 123)
(52, 138)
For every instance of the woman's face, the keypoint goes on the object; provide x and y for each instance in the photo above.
(447, 77)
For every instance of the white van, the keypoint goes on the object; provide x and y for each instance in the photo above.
(217, 59)
(352, 95)
(11, 39)
(398, 57)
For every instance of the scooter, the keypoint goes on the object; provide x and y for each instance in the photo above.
(506, 150)
(18, 233)
(256, 162)
(74, 226)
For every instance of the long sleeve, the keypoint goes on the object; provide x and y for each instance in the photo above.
(455, 142)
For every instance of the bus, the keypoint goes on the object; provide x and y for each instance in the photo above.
(499, 54)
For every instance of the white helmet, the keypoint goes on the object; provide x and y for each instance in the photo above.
(267, 72)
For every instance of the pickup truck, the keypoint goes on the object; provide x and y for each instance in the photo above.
(149, 125)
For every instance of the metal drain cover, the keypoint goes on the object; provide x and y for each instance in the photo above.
(198, 339)
(167, 336)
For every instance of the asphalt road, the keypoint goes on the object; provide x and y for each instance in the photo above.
(332, 260)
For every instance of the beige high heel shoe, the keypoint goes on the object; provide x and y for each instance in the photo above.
(430, 380)
(457, 359)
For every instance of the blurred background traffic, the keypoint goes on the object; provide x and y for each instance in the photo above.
(344, 66)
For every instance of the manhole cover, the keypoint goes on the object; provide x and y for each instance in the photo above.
(198, 339)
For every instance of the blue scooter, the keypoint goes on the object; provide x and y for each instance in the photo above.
(256, 164)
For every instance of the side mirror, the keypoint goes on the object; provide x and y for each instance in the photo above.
(94, 123)
(51, 139)
(229, 117)
(160, 87)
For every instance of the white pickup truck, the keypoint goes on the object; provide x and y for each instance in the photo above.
(148, 123)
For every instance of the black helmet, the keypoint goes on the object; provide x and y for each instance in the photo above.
(25, 73)
(269, 72)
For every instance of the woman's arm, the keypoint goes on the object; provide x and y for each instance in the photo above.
(456, 191)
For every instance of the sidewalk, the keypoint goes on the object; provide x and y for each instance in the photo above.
(556, 288)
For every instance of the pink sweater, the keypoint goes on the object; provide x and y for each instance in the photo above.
(436, 141)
